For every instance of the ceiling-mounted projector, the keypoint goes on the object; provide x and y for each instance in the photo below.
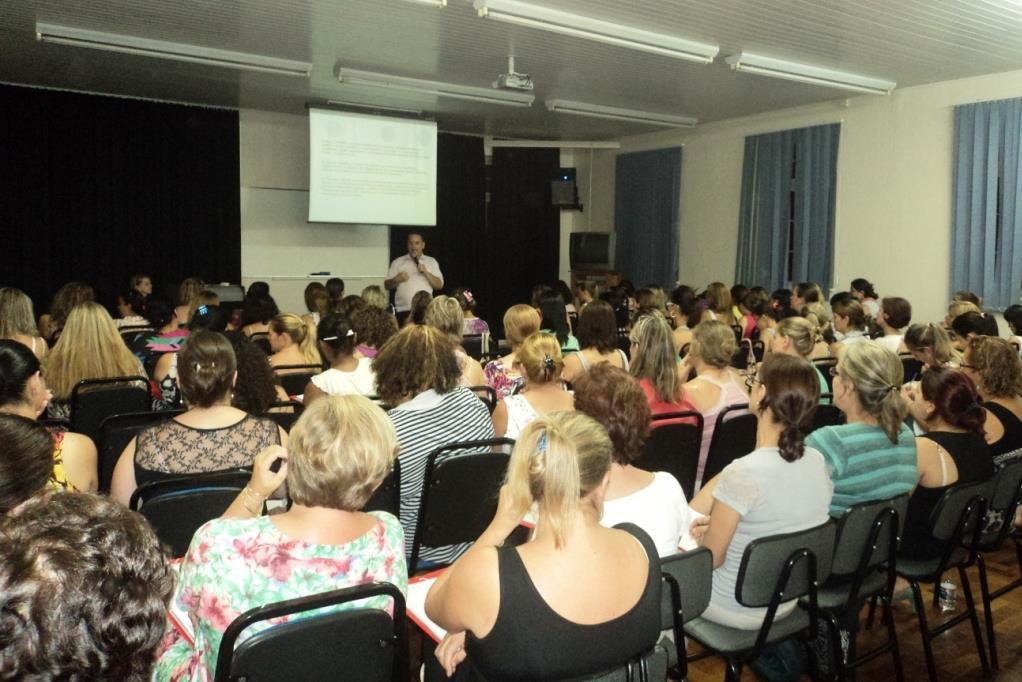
(512, 80)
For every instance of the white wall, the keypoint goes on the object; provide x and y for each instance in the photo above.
(594, 176)
(893, 215)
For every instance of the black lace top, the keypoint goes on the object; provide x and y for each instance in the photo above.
(172, 449)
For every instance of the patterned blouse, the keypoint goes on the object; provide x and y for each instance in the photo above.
(504, 380)
(58, 480)
(234, 565)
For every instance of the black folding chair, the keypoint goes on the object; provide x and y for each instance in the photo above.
(294, 378)
(734, 436)
(825, 365)
(688, 581)
(176, 507)
(913, 368)
(826, 414)
(360, 643)
(674, 448)
(460, 489)
(1005, 497)
(93, 400)
(863, 569)
(957, 524)
(475, 345)
(487, 394)
(774, 569)
(285, 413)
(758, 350)
(387, 497)
(114, 435)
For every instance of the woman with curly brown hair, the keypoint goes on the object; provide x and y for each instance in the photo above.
(417, 373)
(994, 367)
(652, 501)
(64, 301)
(373, 326)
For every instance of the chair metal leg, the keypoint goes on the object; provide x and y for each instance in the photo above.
(892, 638)
(974, 619)
(869, 617)
(834, 630)
(988, 614)
(924, 630)
(734, 671)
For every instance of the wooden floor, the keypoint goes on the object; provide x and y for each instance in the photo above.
(954, 651)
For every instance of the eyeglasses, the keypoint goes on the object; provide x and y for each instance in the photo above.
(834, 371)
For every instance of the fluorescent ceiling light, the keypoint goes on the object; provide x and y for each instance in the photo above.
(374, 107)
(545, 19)
(434, 3)
(806, 73)
(599, 111)
(161, 49)
(440, 89)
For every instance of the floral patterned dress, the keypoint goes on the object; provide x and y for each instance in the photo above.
(234, 565)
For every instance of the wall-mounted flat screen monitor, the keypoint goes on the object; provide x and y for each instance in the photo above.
(592, 251)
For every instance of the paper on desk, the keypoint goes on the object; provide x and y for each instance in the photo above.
(415, 604)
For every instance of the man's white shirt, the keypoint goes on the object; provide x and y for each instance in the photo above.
(416, 281)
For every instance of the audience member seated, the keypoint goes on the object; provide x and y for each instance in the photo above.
(575, 600)
(994, 368)
(84, 588)
(738, 294)
(143, 284)
(651, 298)
(89, 347)
(803, 295)
(351, 305)
(562, 288)
(951, 450)
(417, 373)
(1013, 317)
(341, 449)
(317, 302)
(17, 320)
(26, 460)
(373, 326)
(969, 325)
(502, 374)
(873, 455)
(473, 326)
(257, 310)
(683, 310)
(895, 314)
(850, 322)
(655, 364)
(966, 295)
(211, 436)
(585, 293)
(718, 304)
(131, 310)
(931, 345)
(375, 297)
(798, 336)
(207, 318)
(959, 307)
(717, 385)
(348, 373)
(166, 336)
(780, 304)
(335, 293)
(760, 315)
(292, 342)
(780, 487)
(188, 298)
(862, 290)
(597, 335)
(652, 501)
(445, 314)
(64, 301)
(256, 387)
(554, 320)
(23, 392)
(539, 358)
(420, 303)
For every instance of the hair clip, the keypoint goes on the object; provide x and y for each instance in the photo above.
(351, 332)
(202, 310)
(892, 387)
(468, 295)
(541, 446)
(548, 361)
(329, 338)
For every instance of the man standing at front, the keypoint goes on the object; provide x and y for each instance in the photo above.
(411, 274)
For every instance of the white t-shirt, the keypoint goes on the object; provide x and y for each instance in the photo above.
(892, 342)
(361, 381)
(660, 509)
(416, 281)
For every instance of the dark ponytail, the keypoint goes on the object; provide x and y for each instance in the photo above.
(792, 395)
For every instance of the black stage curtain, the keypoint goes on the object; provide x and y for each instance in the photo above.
(502, 250)
(99, 188)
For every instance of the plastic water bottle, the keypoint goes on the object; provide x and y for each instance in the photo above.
(947, 596)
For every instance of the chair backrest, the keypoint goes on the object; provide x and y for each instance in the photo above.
(960, 511)
(912, 367)
(294, 383)
(460, 489)
(758, 350)
(176, 507)
(114, 435)
(825, 365)
(624, 342)
(1005, 497)
(785, 566)
(689, 579)
(487, 394)
(864, 535)
(388, 496)
(285, 413)
(734, 436)
(355, 644)
(93, 400)
(674, 448)
(474, 345)
(827, 414)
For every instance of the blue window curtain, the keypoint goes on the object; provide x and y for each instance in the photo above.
(647, 191)
(986, 231)
(786, 220)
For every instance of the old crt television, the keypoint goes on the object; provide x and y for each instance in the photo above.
(592, 251)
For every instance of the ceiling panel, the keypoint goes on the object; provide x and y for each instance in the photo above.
(909, 41)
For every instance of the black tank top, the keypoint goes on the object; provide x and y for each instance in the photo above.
(530, 641)
(974, 462)
(1012, 438)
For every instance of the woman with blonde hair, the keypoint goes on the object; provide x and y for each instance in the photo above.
(292, 341)
(89, 348)
(589, 594)
(993, 365)
(798, 336)
(803, 294)
(373, 295)
(718, 304)
(317, 302)
(540, 361)
(341, 449)
(188, 298)
(502, 374)
(655, 364)
(17, 321)
(717, 385)
(931, 345)
(873, 455)
(444, 313)
(957, 308)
